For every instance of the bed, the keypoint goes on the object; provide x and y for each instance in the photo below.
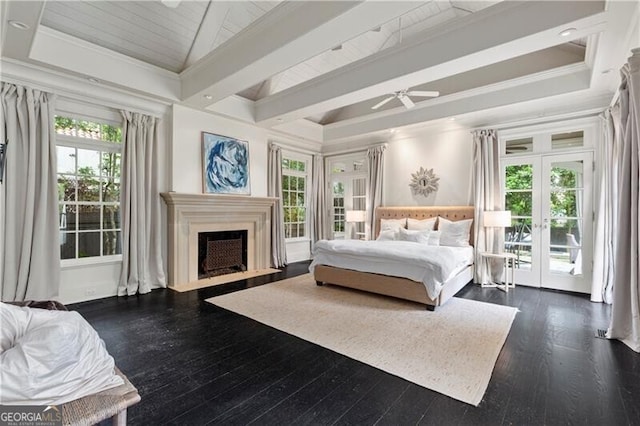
(396, 286)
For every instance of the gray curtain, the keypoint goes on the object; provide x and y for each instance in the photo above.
(487, 196)
(318, 202)
(375, 172)
(142, 267)
(31, 253)
(606, 206)
(625, 310)
(274, 188)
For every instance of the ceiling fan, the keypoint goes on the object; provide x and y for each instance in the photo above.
(404, 97)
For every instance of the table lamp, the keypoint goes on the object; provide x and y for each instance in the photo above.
(496, 219)
(355, 216)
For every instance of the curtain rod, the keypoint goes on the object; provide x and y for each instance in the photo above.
(295, 149)
(354, 150)
(541, 120)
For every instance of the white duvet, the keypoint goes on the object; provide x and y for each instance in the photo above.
(430, 265)
(50, 357)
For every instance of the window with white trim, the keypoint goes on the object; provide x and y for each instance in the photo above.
(295, 180)
(347, 179)
(89, 159)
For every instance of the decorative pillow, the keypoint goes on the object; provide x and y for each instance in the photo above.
(421, 225)
(388, 235)
(454, 234)
(430, 238)
(414, 236)
(392, 224)
(434, 238)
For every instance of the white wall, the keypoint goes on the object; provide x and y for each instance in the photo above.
(447, 152)
(186, 148)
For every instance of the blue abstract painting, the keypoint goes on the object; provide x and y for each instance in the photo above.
(226, 165)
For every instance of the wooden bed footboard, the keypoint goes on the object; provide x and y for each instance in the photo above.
(402, 288)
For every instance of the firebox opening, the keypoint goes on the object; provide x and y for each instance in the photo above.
(221, 252)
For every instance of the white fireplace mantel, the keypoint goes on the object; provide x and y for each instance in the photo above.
(189, 214)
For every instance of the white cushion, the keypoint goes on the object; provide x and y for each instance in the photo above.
(421, 225)
(58, 359)
(388, 235)
(392, 224)
(14, 321)
(454, 234)
(434, 238)
(430, 238)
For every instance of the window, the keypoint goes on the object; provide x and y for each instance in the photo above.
(294, 197)
(348, 177)
(89, 156)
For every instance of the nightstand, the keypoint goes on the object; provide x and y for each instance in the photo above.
(509, 265)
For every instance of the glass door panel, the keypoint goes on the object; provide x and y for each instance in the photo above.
(566, 228)
(520, 239)
(338, 219)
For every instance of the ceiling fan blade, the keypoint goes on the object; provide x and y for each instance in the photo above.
(379, 104)
(426, 93)
(407, 102)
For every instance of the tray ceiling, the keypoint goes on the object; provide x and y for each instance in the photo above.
(322, 65)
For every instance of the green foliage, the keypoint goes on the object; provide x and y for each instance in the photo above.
(296, 165)
(84, 128)
(563, 197)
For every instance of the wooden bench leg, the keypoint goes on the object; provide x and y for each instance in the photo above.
(120, 419)
(319, 283)
(431, 308)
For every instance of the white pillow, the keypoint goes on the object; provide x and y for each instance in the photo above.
(430, 238)
(454, 234)
(59, 358)
(388, 235)
(414, 236)
(421, 225)
(392, 224)
(434, 238)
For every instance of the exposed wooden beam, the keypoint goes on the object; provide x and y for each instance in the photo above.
(16, 43)
(500, 32)
(561, 81)
(211, 24)
(289, 34)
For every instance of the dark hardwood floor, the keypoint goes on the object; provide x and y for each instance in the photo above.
(195, 363)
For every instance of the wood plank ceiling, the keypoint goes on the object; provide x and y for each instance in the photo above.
(148, 30)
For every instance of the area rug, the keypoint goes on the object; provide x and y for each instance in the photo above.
(452, 350)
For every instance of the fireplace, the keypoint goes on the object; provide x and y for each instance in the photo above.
(221, 252)
(189, 215)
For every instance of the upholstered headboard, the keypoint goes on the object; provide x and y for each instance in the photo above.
(452, 213)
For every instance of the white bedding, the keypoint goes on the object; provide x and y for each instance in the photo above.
(50, 357)
(430, 265)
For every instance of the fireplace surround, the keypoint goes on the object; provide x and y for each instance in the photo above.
(190, 214)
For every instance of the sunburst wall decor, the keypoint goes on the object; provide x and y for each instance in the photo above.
(424, 182)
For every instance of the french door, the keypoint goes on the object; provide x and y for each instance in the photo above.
(551, 231)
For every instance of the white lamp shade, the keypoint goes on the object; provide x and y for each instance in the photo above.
(355, 216)
(497, 219)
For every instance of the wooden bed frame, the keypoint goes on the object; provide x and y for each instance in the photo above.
(395, 286)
